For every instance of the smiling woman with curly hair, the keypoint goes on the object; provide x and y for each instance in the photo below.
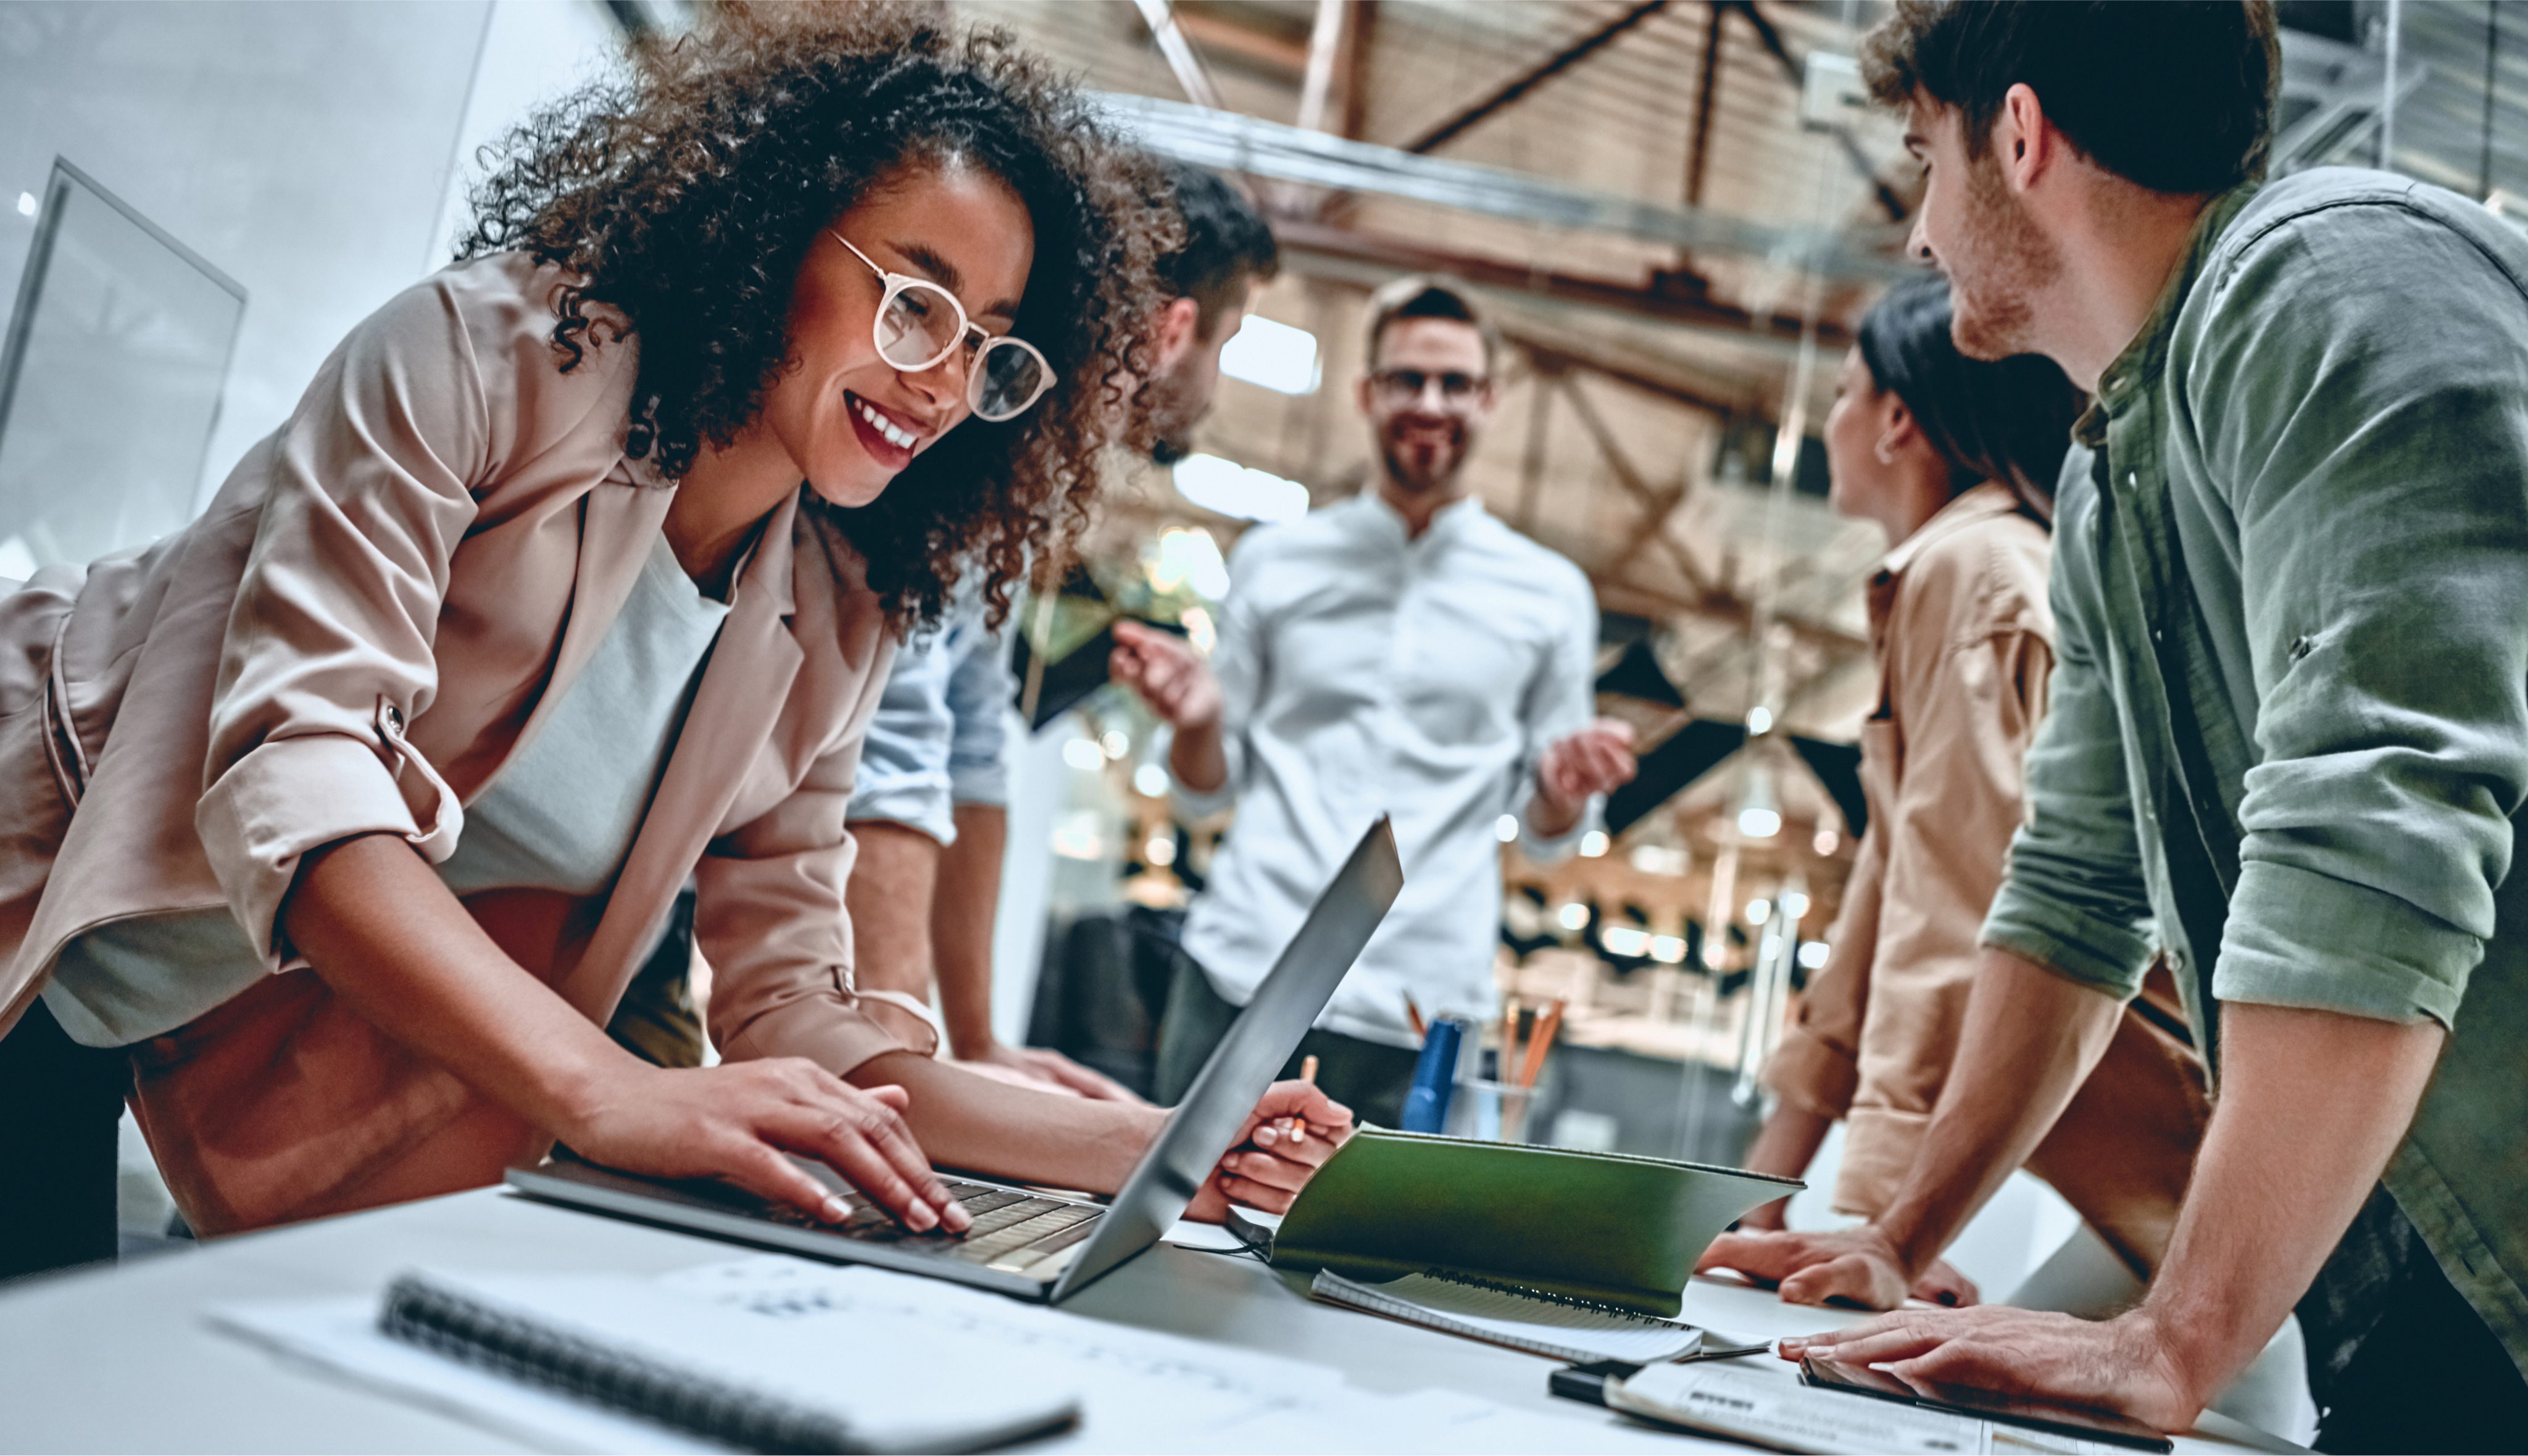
(333, 826)
(635, 190)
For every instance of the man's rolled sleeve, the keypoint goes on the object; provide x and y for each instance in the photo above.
(903, 776)
(2073, 900)
(1558, 703)
(2375, 444)
(2388, 962)
(1238, 668)
(979, 692)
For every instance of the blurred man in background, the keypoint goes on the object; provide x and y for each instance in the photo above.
(1400, 652)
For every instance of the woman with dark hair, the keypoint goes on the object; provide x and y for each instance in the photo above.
(331, 827)
(1956, 459)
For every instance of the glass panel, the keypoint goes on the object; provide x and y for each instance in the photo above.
(109, 380)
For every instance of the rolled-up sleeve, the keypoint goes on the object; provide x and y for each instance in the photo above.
(1816, 1068)
(2376, 439)
(903, 776)
(979, 692)
(329, 641)
(768, 916)
(1238, 666)
(2074, 899)
(1560, 701)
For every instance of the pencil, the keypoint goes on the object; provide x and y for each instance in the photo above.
(1508, 1038)
(1539, 1041)
(1413, 1014)
(1297, 1129)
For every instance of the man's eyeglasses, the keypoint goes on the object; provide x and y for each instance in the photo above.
(1401, 387)
(920, 324)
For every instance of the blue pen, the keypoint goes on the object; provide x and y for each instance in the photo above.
(1435, 1076)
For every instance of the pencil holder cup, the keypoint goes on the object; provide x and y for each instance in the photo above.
(1490, 1111)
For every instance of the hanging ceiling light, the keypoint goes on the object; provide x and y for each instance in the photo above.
(1759, 815)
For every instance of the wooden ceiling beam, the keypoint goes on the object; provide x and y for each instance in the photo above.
(1544, 71)
(1687, 307)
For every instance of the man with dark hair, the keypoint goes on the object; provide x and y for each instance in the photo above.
(1404, 653)
(2288, 735)
(1227, 251)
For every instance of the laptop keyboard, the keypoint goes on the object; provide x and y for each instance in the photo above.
(1006, 1222)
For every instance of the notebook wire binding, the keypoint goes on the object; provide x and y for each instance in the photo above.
(424, 1313)
(1549, 1296)
(1373, 1299)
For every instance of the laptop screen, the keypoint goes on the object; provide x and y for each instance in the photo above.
(1258, 1045)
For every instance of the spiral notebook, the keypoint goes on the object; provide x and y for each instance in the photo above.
(1559, 1326)
(730, 1376)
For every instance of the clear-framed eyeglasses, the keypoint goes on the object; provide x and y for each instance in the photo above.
(1402, 386)
(920, 324)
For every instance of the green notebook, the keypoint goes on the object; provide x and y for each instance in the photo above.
(1603, 1227)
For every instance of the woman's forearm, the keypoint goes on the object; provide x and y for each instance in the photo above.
(385, 933)
(964, 1121)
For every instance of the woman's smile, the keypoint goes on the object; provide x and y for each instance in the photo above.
(892, 437)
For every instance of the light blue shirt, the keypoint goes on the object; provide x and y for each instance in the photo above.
(1362, 673)
(935, 742)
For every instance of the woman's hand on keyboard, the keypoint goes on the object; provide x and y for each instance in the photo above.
(1289, 1136)
(738, 1120)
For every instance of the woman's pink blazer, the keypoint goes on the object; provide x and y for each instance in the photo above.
(382, 603)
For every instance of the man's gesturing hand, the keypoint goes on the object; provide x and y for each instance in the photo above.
(736, 1121)
(1167, 674)
(2124, 1364)
(1595, 759)
(1858, 1265)
(1289, 1136)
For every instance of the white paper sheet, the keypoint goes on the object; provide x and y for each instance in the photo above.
(1140, 1391)
(1787, 1416)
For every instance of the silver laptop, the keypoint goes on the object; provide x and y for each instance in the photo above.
(1025, 1242)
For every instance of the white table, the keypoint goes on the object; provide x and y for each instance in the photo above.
(122, 1360)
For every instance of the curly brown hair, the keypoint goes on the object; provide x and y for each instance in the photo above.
(687, 197)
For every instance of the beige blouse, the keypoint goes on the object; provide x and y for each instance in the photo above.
(1963, 638)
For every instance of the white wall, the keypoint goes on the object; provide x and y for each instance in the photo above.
(306, 150)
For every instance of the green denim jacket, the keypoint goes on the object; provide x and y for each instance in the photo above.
(2289, 737)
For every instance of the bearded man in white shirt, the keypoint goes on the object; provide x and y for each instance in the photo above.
(1400, 652)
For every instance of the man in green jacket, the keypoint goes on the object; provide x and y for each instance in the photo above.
(2289, 734)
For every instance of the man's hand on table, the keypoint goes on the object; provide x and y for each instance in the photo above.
(2124, 1364)
(1855, 1265)
(1275, 1155)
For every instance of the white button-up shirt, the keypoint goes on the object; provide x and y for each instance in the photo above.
(1361, 674)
